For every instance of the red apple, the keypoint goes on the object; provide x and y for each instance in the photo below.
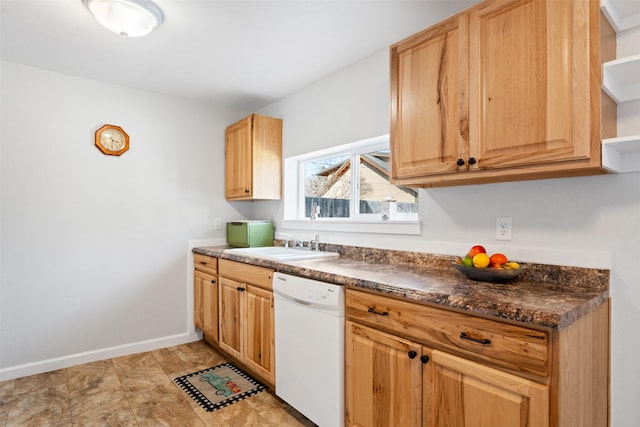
(475, 250)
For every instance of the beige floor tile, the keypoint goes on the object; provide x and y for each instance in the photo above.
(92, 378)
(40, 381)
(6, 391)
(134, 361)
(48, 406)
(148, 384)
(107, 408)
(176, 413)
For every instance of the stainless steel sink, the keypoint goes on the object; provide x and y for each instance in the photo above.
(280, 253)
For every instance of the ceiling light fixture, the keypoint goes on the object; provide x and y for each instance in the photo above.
(129, 18)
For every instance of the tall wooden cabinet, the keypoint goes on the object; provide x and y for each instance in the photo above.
(205, 282)
(413, 365)
(506, 90)
(253, 159)
(247, 318)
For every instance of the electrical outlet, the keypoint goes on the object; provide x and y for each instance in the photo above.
(218, 224)
(503, 228)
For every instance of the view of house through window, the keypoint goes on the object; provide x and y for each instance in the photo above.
(355, 184)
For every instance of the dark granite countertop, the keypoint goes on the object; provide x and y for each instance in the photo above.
(543, 295)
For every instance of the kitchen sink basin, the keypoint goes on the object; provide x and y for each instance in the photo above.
(280, 253)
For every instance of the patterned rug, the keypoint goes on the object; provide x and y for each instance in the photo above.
(220, 386)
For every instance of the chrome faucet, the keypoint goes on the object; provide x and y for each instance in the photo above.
(314, 245)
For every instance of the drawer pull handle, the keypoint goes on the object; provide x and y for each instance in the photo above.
(379, 313)
(412, 354)
(203, 262)
(483, 341)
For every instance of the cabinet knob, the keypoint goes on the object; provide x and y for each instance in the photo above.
(246, 190)
(424, 359)
(472, 160)
(240, 289)
(412, 354)
(460, 162)
(213, 282)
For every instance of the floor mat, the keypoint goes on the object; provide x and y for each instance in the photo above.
(220, 386)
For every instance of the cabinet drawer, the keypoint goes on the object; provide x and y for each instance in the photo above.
(514, 347)
(205, 263)
(258, 276)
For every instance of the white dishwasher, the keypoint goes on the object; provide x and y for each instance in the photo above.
(309, 334)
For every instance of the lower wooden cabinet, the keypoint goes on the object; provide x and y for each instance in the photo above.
(408, 369)
(205, 295)
(206, 303)
(247, 318)
(432, 388)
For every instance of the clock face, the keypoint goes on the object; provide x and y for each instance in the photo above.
(112, 140)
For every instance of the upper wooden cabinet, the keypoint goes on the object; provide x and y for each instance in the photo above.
(253, 159)
(506, 90)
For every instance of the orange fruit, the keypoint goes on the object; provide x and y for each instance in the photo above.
(498, 259)
(477, 249)
(481, 260)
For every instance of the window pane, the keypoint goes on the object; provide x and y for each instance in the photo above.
(375, 187)
(327, 185)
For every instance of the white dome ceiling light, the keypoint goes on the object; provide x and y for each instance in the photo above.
(128, 18)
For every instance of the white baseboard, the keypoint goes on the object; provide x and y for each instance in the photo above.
(95, 355)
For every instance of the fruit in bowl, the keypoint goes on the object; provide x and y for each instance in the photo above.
(478, 265)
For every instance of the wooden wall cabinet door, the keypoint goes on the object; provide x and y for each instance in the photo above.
(383, 384)
(529, 84)
(459, 392)
(231, 315)
(253, 159)
(259, 336)
(206, 303)
(429, 108)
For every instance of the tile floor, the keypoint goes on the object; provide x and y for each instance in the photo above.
(136, 390)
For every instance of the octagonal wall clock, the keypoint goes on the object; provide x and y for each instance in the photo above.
(112, 140)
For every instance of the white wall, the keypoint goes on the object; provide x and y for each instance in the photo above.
(93, 247)
(591, 221)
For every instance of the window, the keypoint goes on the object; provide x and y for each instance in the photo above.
(348, 183)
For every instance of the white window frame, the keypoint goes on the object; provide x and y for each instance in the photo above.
(294, 214)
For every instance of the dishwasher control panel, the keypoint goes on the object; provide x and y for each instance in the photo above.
(326, 296)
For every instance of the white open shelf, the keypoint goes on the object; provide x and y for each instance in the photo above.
(621, 78)
(622, 14)
(621, 81)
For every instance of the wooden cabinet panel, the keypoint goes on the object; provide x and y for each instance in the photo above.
(253, 274)
(383, 386)
(514, 347)
(205, 264)
(429, 108)
(253, 159)
(529, 83)
(231, 315)
(259, 335)
(458, 392)
(206, 304)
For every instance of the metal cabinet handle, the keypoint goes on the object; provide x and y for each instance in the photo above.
(213, 282)
(424, 359)
(246, 190)
(240, 289)
(472, 160)
(460, 162)
(412, 354)
(379, 313)
(483, 341)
